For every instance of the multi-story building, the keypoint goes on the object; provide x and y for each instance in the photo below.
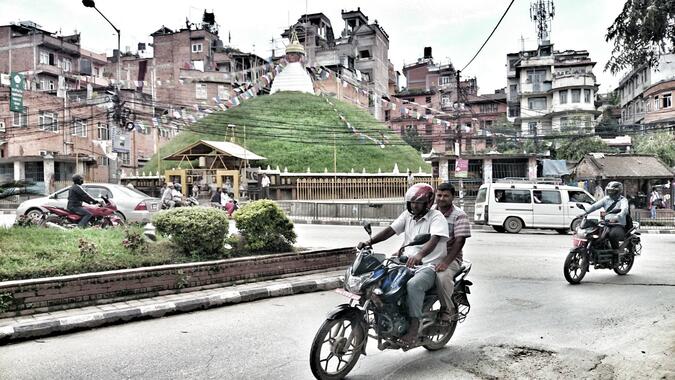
(432, 93)
(659, 103)
(65, 125)
(551, 91)
(632, 88)
(360, 55)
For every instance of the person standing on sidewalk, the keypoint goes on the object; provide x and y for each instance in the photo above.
(459, 230)
(265, 186)
(655, 201)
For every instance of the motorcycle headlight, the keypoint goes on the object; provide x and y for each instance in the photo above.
(354, 283)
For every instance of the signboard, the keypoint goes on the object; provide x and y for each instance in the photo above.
(17, 85)
(461, 168)
(120, 140)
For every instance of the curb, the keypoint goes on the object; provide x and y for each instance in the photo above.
(8, 212)
(75, 319)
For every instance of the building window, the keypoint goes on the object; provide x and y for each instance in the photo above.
(514, 111)
(576, 95)
(66, 65)
(47, 121)
(564, 123)
(427, 99)
(656, 103)
(487, 108)
(445, 100)
(563, 97)
(363, 54)
(532, 127)
(537, 103)
(51, 85)
(103, 161)
(20, 119)
(197, 48)
(103, 131)
(666, 101)
(44, 58)
(79, 128)
(124, 157)
(200, 89)
(587, 96)
(444, 80)
(428, 129)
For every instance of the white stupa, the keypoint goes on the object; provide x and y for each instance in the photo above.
(294, 77)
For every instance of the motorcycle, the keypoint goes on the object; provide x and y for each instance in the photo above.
(186, 202)
(102, 216)
(591, 246)
(376, 287)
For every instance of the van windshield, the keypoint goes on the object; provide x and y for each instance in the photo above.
(480, 197)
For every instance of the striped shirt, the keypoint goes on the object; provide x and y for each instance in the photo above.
(458, 226)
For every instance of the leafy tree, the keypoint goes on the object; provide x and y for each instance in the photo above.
(413, 138)
(661, 144)
(642, 32)
(608, 127)
(573, 149)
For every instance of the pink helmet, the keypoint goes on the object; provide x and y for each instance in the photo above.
(420, 192)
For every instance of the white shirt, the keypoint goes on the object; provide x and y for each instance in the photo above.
(224, 198)
(265, 182)
(434, 223)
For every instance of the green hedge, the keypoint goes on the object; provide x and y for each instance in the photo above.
(197, 231)
(264, 227)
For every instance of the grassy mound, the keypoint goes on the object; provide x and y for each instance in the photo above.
(297, 131)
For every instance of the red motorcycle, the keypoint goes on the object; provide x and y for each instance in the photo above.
(103, 215)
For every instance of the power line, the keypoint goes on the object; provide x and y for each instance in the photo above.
(488, 39)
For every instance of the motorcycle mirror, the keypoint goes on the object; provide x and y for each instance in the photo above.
(581, 206)
(419, 240)
(368, 228)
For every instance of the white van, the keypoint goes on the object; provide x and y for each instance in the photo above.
(513, 206)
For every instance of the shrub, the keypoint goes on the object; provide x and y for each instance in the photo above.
(264, 227)
(197, 231)
(88, 249)
(24, 221)
(134, 241)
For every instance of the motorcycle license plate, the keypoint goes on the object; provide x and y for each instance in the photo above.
(347, 294)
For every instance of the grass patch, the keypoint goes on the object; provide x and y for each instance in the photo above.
(290, 128)
(44, 252)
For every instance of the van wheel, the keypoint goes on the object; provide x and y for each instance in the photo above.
(575, 223)
(513, 225)
(499, 228)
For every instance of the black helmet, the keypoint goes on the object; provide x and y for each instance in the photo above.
(614, 189)
(177, 186)
(78, 179)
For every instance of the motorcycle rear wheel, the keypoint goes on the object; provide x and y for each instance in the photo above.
(625, 265)
(576, 266)
(339, 343)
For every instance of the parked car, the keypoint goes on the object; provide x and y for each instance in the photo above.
(510, 207)
(132, 205)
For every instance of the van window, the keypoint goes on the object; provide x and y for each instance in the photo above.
(579, 196)
(480, 197)
(513, 196)
(547, 197)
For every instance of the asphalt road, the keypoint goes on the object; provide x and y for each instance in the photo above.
(526, 322)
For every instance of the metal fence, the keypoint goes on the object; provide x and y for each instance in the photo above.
(665, 219)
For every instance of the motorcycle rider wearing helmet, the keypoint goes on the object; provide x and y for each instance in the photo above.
(617, 222)
(177, 195)
(418, 219)
(76, 196)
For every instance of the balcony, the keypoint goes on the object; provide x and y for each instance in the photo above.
(573, 80)
(536, 88)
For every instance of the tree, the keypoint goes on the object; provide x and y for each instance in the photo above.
(413, 138)
(573, 149)
(642, 32)
(661, 144)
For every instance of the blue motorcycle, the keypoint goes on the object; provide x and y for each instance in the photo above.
(376, 287)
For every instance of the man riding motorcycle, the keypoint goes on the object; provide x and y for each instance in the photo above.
(76, 196)
(418, 219)
(616, 222)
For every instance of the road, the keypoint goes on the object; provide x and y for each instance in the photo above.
(526, 322)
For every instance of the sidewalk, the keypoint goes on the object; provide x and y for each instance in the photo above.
(39, 325)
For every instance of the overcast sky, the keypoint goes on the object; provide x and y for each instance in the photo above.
(454, 29)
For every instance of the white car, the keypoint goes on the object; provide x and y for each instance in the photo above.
(132, 205)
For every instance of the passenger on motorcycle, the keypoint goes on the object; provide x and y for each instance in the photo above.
(177, 195)
(418, 219)
(615, 222)
(459, 230)
(76, 196)
(167, 196)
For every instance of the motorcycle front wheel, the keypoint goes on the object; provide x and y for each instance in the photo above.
(441, 336)
(576, 266)
(625, 265)
(336, 348)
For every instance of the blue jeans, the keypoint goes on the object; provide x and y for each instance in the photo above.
(417, 287)
(652, 212)
(84, 213)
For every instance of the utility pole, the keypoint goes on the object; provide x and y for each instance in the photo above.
(459, 140)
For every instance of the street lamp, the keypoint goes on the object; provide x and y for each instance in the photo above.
(92, 4)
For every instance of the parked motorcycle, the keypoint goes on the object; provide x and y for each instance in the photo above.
(376, 287)
(591, 246)
(104, 215)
